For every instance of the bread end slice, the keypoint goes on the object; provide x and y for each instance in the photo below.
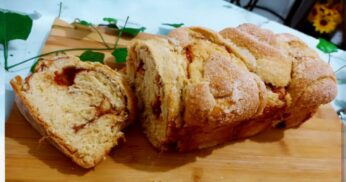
(83, 119)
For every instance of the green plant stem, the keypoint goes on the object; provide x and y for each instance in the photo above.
(61, 50)
(342, 67)
(328, 58)
(66, 50)
(120, 33)
(6, 55)
(98, 32)
(60, 7)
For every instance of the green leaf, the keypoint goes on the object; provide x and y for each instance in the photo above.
(110, 20)
(32, 69)
(175, 25)
(132, 31)
(92, 56)
(120, 55)
(83, 22)
(13, 26)
(326, 46)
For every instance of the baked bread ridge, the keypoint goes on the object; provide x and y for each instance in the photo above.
(309, 74)
(224, 95)
(313, 81)
(85, 140)
(272, 64)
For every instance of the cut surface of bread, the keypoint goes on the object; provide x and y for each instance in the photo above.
(199, 88)
(80, 107)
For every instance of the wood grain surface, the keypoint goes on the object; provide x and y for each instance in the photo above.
(312, 152)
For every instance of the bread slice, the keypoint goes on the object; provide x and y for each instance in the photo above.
(199, 88)
(80, 107)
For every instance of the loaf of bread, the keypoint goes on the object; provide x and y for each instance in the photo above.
(80, 107)
(199, 88)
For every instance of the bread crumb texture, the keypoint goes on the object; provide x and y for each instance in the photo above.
(81, 105)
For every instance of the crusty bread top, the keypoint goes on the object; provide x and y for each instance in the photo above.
(307, 69)
(221, 71)
(272, 64)
(82, 106)
(261, 34)
(216, 73)
(196, 83)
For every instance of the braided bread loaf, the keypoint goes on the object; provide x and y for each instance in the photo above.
(198, 88)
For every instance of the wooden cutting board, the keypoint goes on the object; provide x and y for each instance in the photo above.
(313, 152)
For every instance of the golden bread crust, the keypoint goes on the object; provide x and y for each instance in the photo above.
(272, 65)
(313, 81)
(225, 86)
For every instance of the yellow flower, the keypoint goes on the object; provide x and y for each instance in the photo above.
(314, 12)
(324, 17)
(335, 15)
(324, 24)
